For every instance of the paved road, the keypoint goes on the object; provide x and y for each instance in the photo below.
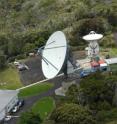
(31, 100)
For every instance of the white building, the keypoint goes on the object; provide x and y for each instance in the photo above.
(8, 98)
(111, 61)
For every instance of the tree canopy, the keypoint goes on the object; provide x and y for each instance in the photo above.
(72, 114)
(93, 99)
(26, 24)
(30, 117)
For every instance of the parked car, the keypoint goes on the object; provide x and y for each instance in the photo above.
(22, 67)
(16, 63)
(84, 74)
(15, 109)
(20, 103)
(7, 118)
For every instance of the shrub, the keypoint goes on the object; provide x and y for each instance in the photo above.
(72, 114)
(2, 60)
(103, 105)
(107, 115)
(21, 56)
(98, 24)
(72, 93)
(30, 117)
(108, 41)
(98, 88)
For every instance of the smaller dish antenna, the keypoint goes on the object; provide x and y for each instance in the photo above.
(54, 55)
(92, 38)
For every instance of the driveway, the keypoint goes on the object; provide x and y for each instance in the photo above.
(34, 73)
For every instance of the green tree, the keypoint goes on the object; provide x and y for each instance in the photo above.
(30, 117)
(28, 47)
(2, 60)
(72, 93)
(98, 88)
(72, 114)
(97, 24)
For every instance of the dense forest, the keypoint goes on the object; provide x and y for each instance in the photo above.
(92, 102)
(26, 24)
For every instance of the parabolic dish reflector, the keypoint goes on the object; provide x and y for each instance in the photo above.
(92, 36)
(54, 55)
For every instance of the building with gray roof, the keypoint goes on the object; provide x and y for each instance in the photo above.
(8, 99)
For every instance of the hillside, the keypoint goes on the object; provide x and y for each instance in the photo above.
(26, 24)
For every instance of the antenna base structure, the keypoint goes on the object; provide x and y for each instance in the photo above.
(70, 64)
(63, 89)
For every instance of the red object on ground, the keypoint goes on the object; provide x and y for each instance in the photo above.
(101, 61)
(95, 64)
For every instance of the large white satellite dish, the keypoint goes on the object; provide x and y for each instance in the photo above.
(54, 55)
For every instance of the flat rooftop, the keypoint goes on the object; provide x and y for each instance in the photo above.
(111, 61)
(6, 96)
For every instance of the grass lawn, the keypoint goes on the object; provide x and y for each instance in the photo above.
(113, 67)
(112, 122)
(9, 79)
(108, 51)
(108, 116)
(36, 89)
(113, 52)
(44, 107)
